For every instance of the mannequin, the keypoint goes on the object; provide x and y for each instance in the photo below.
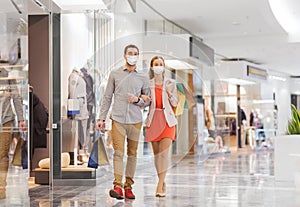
(77, 90)
(90, 96)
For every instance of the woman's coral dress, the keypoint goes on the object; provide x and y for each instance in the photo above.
(159, 127)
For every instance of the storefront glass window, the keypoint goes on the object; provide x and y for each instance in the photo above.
(14, 101)
(85, 64)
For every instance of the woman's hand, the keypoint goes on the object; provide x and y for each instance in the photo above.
(169, 85)
(145, 98)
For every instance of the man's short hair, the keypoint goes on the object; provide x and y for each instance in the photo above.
(131, 46)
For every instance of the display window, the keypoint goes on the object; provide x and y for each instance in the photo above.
(14, 101)
(70, 57)
(85, 63)
(227, 103)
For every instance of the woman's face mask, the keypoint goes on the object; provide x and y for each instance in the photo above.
(132, 59)
(158, 69)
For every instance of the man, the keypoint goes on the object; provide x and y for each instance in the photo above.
(8, 92)
(126, 85)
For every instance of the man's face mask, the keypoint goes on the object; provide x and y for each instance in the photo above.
(132, 59)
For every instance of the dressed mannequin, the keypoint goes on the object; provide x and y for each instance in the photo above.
(90, 96)
(77, 90)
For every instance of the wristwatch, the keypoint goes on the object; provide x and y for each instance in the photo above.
(138, 100)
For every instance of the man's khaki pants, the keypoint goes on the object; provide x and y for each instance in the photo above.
(5, 140)
(120, 132)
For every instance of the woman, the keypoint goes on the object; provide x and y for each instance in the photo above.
(161, 120)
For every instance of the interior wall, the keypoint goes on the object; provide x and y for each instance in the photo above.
(128, 30)
(38, 72)
(283, 101)
(38, 47)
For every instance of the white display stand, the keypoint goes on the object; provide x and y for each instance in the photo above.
(286, 159)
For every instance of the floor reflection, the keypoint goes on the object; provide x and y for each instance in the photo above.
(243, 178)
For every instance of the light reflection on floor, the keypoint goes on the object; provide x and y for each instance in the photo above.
(244, 178)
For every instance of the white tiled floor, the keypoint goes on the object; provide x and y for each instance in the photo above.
(243, 178)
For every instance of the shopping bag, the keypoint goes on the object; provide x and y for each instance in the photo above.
(20, 157)
(178, 110)
(24, 155)
(98, 154)
(17, 157)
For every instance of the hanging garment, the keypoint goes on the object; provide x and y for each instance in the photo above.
(40, 122)
(90, 96)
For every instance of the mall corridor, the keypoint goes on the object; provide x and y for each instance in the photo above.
(240, 178)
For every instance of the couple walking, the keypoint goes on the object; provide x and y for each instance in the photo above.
(130, 90)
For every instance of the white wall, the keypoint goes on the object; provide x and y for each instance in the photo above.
(167, 44)
(283, 100)
(128, 30)
(295, 85)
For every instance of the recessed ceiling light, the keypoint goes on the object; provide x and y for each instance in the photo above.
(274, 77)
(263, 101)
(236, 81)
(235, 23)
(179, 65)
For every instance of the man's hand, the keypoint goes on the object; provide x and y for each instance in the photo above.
(101, 125)
(132, 98)
(22, 125)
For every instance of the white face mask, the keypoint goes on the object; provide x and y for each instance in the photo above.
(158, 69)
(132, 59)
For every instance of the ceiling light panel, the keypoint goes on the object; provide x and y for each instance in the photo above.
(80, 4)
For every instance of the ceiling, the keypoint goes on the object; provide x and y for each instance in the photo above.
(238, 29)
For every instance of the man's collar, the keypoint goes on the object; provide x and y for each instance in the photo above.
(135, 70)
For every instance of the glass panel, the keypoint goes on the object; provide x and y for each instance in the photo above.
(77, 85)
(38, 74)
(85, 62)
(14, 103)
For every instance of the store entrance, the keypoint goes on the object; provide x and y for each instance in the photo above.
(241, 117)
